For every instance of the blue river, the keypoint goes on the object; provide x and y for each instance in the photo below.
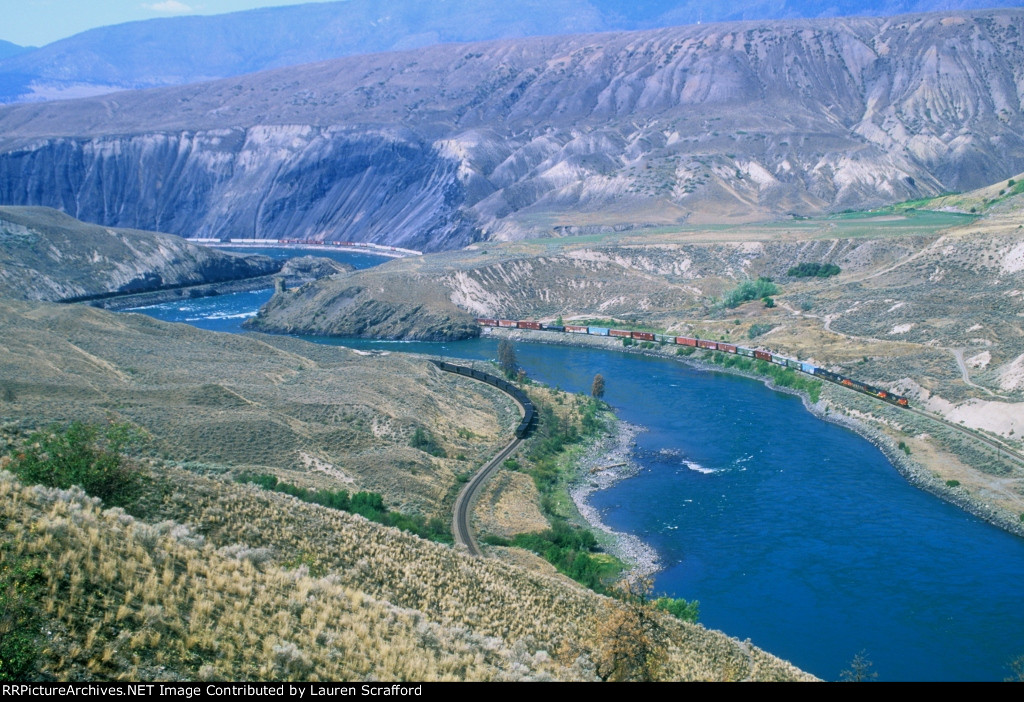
(791, 531)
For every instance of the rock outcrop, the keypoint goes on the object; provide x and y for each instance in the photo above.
(47, 255)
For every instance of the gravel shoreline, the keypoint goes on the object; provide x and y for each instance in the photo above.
(604, 463)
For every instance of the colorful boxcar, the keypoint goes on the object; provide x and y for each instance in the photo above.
(749, 353)
(762, 356)
(598, 331)
(619, 332)
(686, 341)
(506, 322)
(486, 322)
(705, 344)
(790, 363)
(643, 336)
(728, 348)
(575, 329)
(807, 368)
(524, 324)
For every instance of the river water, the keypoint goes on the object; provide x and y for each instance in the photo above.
(791, 531)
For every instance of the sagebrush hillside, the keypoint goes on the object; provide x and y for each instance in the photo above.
(323, 415)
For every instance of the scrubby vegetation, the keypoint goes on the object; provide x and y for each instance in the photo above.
(277, 589)
(81, 454)
(19, 618)
(814, 270)
(423, 440)
(757, 330)
(367, 504)
(750, 290)
(781, 377)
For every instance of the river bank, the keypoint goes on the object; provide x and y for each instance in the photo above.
(602, 464)
(918, 474)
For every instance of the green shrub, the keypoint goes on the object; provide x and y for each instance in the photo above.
(757, 330)
(952, 483)
(750, 290)
(679, 608)
(19, 620)
(367, 504)
(814, 270)
(84, 455)
(425, 441)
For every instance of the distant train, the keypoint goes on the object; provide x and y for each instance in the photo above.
(707, 344)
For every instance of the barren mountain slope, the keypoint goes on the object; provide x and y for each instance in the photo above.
(177, 50)
(439, 147)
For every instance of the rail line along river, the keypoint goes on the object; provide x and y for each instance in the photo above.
(791, 531)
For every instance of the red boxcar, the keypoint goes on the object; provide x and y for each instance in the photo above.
(762, 356)
(484, 321)
(686, 341)
(705, 344)
(576, 329)
(529, 325)
(618, 332)
(726, 347)
(643, 336)
(506, 322)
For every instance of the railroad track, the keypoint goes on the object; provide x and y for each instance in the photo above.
(464, 502)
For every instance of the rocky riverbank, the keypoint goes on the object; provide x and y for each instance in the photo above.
(603, 464)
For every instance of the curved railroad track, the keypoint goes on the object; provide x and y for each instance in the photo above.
(464, 502)
(467, 496)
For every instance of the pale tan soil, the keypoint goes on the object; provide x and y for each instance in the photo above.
(508, 506)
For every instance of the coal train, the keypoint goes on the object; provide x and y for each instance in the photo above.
(529, 413)
(757, 354)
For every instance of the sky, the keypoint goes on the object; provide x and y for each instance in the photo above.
(39, 22)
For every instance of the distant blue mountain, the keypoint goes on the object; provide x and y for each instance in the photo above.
(7, 49)
(179, 50)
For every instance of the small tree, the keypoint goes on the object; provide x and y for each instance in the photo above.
(632, 643)
(507, 357)
(597, 388)
(859, 670)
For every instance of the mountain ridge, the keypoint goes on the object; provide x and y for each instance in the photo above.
(440, 147)
(177, 50)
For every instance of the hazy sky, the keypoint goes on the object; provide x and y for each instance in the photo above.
(38, 22)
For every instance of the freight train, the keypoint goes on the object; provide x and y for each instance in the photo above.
(707, 344)
(529, 414)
